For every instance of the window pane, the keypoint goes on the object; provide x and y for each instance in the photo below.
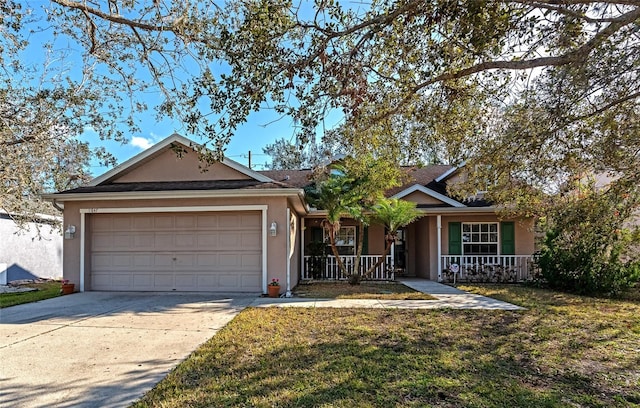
(493, 227)
(484, 227)
(466, 228)
(475, 227)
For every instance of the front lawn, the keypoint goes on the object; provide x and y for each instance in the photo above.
(365, 290)
(45, 290)
(563, 351)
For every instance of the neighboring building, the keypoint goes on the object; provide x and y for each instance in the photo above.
(158, 223)
(31, 252)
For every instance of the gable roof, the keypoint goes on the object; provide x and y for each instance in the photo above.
(430, 193)
(159, 148)
(444, 176)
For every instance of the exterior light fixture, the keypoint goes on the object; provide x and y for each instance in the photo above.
(70, 232)
(273, 230)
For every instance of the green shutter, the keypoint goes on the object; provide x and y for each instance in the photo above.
(455, 238)
(508, 237)
(365, 241)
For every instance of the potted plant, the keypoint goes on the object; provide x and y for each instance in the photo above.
(273, 288)
(67, 288)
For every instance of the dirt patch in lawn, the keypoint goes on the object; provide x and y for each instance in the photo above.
(366, 290)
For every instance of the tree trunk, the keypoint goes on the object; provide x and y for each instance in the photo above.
(334, 250)
(387, 249)
(355, 276)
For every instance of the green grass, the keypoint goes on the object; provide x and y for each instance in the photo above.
(46, 290)
(365, 290)
(563, 351)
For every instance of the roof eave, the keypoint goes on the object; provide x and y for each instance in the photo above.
(134, 195)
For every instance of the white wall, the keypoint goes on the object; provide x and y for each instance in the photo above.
(28, 256)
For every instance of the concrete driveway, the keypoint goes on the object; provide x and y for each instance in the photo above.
(99, 349)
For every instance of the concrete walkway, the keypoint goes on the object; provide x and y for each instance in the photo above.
(446, 297)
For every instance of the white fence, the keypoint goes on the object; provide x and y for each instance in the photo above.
(326, 267)
(486, 268)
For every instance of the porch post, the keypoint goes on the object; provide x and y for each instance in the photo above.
(439, 227)
(288, 237)
(302, 271)
(393, 257)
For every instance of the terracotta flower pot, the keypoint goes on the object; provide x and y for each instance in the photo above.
(274, 291)
(67, 288)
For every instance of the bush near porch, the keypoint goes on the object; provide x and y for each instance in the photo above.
(563, 351)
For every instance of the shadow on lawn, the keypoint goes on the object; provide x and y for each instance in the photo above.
(399, 358)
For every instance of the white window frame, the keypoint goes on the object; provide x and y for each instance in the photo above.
(496, 243)
(344, 228)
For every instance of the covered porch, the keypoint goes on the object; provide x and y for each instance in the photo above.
(449, 247)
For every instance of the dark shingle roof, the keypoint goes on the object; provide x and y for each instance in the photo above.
(284, 179)
(176, 185)
(425, 176)
(293, 178)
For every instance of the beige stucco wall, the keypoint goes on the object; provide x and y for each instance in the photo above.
(276, 246)
(169, 167)
(422, 198)
(421, 250)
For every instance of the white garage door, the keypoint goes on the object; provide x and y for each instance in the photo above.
(213, 251)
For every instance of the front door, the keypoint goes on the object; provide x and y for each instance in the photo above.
(400, 252)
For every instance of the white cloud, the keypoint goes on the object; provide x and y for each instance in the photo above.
(141, 142)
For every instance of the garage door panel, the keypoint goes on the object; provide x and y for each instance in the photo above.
(185, 260)
(163, 281)
(207, 240)
(185, 240)
(248, 281)
(229, 240)
(143, 280)
(250, 220)
(229, 261)
(163, 261)
(186, 281)
(122, 240)
(121, 261)
(166, 252)
(143, 241)
(250, 241)
(101, 241)
(143, 222)
(229, 220)
(185, 221)
(227, 281)
(207, 261)
(251, 261)
(142, 260)
(164, 241)
(163, 221)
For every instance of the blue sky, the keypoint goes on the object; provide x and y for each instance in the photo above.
(259, 131)
(262, 128)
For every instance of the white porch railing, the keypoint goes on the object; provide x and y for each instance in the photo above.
(326, 267)
(486, 268)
